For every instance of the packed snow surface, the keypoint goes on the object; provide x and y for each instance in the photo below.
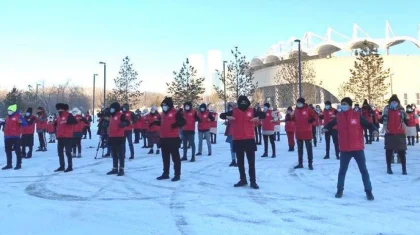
(35, 200)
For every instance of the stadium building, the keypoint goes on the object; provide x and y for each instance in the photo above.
(332, 61)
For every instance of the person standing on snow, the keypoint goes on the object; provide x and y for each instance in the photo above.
(28, 134)
(145, 127)
(213, 127)
(12, 128)
(137, 127)
(268, 130)
(277, 127)
(131, 118)
(116, 138)
(417, 111)
(153, 131)
(410, 128)
(65, 123)
(318, 124)
(350, 124)
(51, 128)
(228, 134)
(368, 114)
(328, 115)
(258, 124)
(304, 116)
(78, 132)
(243, 120)
(170, 124)
(86, 129)
(376, 118)
(188, 130)
(289, 127)
(394, 118)
(206, 118)
(41, 128)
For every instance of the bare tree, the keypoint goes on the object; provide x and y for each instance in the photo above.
(258, 96)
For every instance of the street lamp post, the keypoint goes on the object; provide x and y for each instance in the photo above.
(93, 98)
(299, 68)
(104, 82)
(224, 84)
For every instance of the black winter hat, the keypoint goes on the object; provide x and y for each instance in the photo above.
(365, 102)
(168, 101)
(408, 107)
(301, 100)
(356, 105)
(62, 106)
(289, 108)
(328, 102)
(126, 106)
(394, 98)
(189, 103)
(348, 101)
(29, 110)
(115, 106)
(243, 100)
(267, 105)
(203, 105)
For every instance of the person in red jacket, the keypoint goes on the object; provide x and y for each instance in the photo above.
(131, 118)
(417, 111)
(213, 127)
(410, 128)
(268, 130)
(137, 127)
(290, 129)
(304, 117)
(41, 128)
(350, 126)
(51, 128)
(228, 134)
(170, 124)
(153, 131)
(116, 138)
(394, 119)
(376, 118)
(368, 114)
(86, 128)
(243, 120)
(65, 122)
(78, 132)
(317, 124)
(188, 131)
(206, 118)
(28, 134)
(328, 115)
(12, 128)
(144, 127)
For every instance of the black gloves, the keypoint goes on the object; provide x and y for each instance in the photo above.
(311, 120)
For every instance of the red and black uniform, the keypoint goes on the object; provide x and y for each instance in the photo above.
(153, 130)
(350, 125)
(28, 134)
(213, 128)
(289, 127)
(369, 115)
(12, 138)
(117, 136)
(86, 129)
(64, 123)
(329, 115)
(243, 135)
(303, 117)
(131, 118)
(78, 130)
(144, 126)
(170, 123)
(137, 127)
(188, 130)
(268, 130)
(204, 125)
(41, 129)
(258, 126)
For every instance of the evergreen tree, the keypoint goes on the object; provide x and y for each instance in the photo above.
(186, 86)
(239, 78)
(127, 85)
(15, 96)
(368, 76)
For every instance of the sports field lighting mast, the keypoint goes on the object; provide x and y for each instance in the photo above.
(299, 67)
(104, 83)
(224, 84)
(93, 97)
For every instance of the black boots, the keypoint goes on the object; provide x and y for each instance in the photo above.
(163, 177)
(114, 171)
(299, 166)
(157, 151)
(61, 168)
(198, 154)
(184, 158)
(7, 167)
(192, 159)
(254, 185)
(69, 168)
(265, 155)
(327, 157)
(233, 164)
(339, 193)
(176, 178)
(150, 151)
(310, 166)
(369, 196)
(291, 149)
(241, 183)
(121, 172)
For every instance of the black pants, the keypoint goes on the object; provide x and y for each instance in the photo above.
(27, 141)
(136, 136)
(86, 130)
(389, 153)
(11, 145)
(314, 137)
(64, 144)
(170, 147)
(143, 135)
(333, 133)
(273, 144)
(129, 138)
(257, 130)
(250, 155)
(278, 135)
(118, 153)
(188, 139)
(213, 138)
(42, 140)
(369, 137)
(308, 150)
(77, 143)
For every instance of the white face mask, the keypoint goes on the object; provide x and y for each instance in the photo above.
(153, 111)
(165, 108)
(409, 110)
(230, 108)
(265, 108)
(10, 112)
(27, 114)
(299, 105)
(202, 109)
(327, 107)
(112, 110)
(187, 107)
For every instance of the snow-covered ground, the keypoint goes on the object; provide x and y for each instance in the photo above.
(35, 200)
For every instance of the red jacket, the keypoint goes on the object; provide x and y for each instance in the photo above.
(139, 124)
(205, 123)
(290, 124)
(29, 129)
(242, 126)
(41, 123)
(128, 116)
(377, 116)
(166, 129)
(115, 131)
(329, 115)
(143, 123)
(418, 114)
(303, 126)
(267, 123)
(411, 119)
(89, 119)
(214, 123)
(189, 117)
(151, 118)
(367, 113)
(51, 127)
(64, 130)
(78, 128)
(350, 132)
(12, 128)
(228, 131)
(395, 124)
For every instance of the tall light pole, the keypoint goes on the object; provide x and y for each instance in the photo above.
(36, 92)
(104, 82)
(299, 68)
(224, 84)
(93, 98)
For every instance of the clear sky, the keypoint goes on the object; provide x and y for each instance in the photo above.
(53, 41)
